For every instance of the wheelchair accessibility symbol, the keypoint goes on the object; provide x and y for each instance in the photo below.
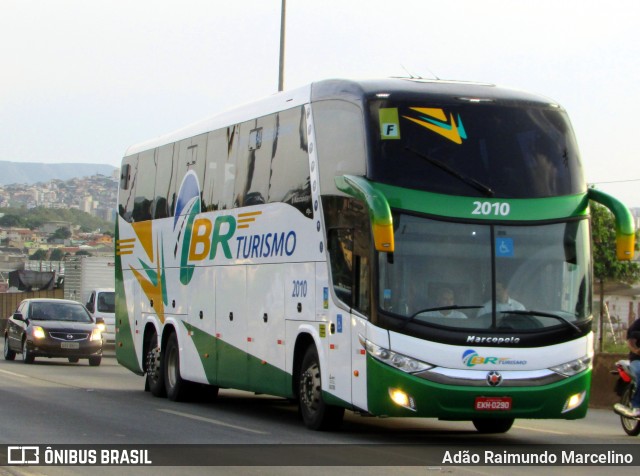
(504, 247)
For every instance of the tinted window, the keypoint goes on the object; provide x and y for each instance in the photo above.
(54, 311)
(165, 183)
(290, 162)
(145, 183)
(469, 149)
(349, 247)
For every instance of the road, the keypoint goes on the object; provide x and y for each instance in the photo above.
(53, 402)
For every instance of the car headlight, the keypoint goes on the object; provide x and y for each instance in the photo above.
(394, 359)
(574, 367)
(38, 332)
(96, 334)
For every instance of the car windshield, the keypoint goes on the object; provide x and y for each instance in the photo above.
(58, 311)
(481, 276)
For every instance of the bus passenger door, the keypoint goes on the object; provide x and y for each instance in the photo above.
(266, 329)
(231, 326)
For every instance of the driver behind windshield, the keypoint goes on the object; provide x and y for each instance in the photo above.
(503, 301)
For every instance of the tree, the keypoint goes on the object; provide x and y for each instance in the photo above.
(57, 254)
(39, 255)
(606, 266)
(11, 220)
(62, 233)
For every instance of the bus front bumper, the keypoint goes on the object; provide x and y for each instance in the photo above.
(394, 393)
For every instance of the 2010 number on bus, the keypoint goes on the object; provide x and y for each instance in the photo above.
(488, 208)
(299, 288)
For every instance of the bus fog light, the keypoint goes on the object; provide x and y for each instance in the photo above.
(574, 401)
(402, 399)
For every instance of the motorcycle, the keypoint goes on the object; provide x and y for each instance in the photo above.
(624, 388)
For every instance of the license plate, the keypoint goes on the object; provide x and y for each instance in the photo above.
(493, 403)
(70, 345)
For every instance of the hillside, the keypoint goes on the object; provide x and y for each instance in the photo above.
(33, 172)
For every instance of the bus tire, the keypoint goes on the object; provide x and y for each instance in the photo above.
(488, 425)
(176, 387)
(316, 414)
(154, 381)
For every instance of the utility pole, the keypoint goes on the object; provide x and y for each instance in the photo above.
(282, 31)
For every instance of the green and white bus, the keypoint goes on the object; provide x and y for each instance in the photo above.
(398, 247)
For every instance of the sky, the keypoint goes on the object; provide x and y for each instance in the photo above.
(80, 80)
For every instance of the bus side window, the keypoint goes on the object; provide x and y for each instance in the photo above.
(257, 146)
(341, 256)
(349, 246)
(144, 186)
(220, 168)
(290, 176)
(165, 180)
(189, 155)
(127, 187)
(361, 251)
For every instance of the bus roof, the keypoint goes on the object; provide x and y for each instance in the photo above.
(350, 90)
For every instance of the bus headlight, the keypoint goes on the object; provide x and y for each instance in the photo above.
(574, 367)
(398, 361)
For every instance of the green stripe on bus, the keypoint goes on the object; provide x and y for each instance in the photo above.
(242, 370)
(508, 209)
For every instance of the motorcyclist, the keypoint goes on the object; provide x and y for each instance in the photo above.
(633, 342)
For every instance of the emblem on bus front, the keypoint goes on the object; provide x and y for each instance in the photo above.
(494, 378)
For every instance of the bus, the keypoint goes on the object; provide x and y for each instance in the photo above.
(396, 247)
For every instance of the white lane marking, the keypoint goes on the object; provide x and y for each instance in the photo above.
(13, 373)
(541, 431)
(210, 420)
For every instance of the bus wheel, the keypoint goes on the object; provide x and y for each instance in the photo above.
(316, 414)
(154, 381)
(176, 386)
(499, 425)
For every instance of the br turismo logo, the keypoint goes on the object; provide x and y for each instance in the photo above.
(470, 358)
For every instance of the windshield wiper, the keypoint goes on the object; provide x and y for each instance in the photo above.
(544, 314)
(439, 308)
(486, 190)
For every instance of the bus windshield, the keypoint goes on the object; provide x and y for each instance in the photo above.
(484, 276)
(475, 149)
